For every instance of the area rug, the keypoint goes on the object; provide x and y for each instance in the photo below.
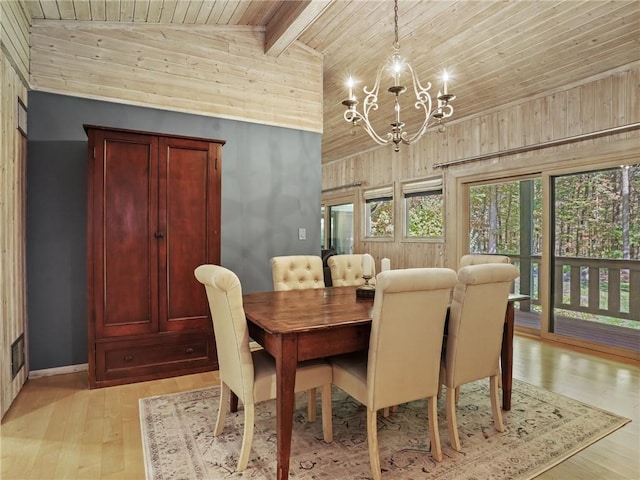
(541, 430)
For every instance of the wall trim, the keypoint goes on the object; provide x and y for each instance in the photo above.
(48, 372)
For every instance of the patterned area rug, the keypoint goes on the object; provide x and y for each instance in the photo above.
(541, 430)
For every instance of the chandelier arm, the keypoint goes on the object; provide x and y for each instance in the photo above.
(357, 119)
(409, 140)
(422, 93)
(445, 110)
(424, 102)
(371, 104)
(371, 96)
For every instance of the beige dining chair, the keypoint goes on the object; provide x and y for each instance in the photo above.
(409, 311)
(294, 272)
(346, 270)
(474, 336)
(251, 375)
(480, 258)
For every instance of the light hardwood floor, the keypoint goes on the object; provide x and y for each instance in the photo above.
(59, 429)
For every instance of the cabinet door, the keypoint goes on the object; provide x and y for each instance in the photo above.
(123, 270)
(189, 212)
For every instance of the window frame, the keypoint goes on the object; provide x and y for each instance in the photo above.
(427, 184)
(369, 195)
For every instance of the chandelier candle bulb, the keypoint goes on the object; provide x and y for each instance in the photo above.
(445, 78)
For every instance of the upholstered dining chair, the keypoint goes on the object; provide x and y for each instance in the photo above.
(251, 375)
(294, 272)
(480, 258)
(347, 270)
(474, 336)
(409, 311)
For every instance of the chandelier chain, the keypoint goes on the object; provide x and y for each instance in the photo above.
(396, 44)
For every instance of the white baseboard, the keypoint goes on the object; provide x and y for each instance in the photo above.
(47, 372)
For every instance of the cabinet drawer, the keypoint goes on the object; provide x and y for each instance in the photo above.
(146, 359)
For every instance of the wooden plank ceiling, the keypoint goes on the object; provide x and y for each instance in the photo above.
(497, 52)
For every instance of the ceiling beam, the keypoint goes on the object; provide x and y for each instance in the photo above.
(289, 22)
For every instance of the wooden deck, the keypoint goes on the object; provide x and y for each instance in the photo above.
(587, 330)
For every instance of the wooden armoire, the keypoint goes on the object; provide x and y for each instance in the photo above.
(153, 217)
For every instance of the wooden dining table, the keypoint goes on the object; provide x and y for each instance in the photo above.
(297, 325)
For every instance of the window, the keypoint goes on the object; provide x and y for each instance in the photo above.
(379, 213)
(423, 205)
(506, 218)
(336, 227)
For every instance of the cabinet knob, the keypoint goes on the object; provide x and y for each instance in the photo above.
(128, 358)
(159, 234)
(189, 350)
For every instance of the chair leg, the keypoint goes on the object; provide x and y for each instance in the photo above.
(452, 423)
(311, 405)
(372, 439)
(434, 433)
(392, 409)
(495, 403)
(222, 409)
(247, 437)
(327, 420)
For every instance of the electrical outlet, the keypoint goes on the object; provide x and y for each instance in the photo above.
(302, 234)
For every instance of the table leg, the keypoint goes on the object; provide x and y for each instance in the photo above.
(507, 356)
(286, 362)
(233, 403)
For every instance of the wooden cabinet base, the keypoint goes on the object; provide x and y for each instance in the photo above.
(158, 356)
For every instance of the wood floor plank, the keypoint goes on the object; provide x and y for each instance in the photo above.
(91, 453)
(131, 434)
(112, 446)
(71, 447)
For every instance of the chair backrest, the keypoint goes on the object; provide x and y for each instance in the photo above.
(476, 321)
(297, 272)
(480, 259)
(347, 270)
(409, 312)
(230, 328)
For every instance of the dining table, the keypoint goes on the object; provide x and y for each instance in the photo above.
(298, 325)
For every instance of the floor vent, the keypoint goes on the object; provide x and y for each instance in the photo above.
(17, 355)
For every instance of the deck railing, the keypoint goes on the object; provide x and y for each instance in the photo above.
(594, 286)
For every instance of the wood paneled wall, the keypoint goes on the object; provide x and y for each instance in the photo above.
(13, 314)
(608, 101)
(14, 36)
(202, 69)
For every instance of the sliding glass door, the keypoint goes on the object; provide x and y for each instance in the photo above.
(595, 284)
(506, 218)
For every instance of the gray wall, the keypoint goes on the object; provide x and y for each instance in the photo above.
(271, 183)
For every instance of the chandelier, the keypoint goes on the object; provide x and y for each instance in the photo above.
(434, 115)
